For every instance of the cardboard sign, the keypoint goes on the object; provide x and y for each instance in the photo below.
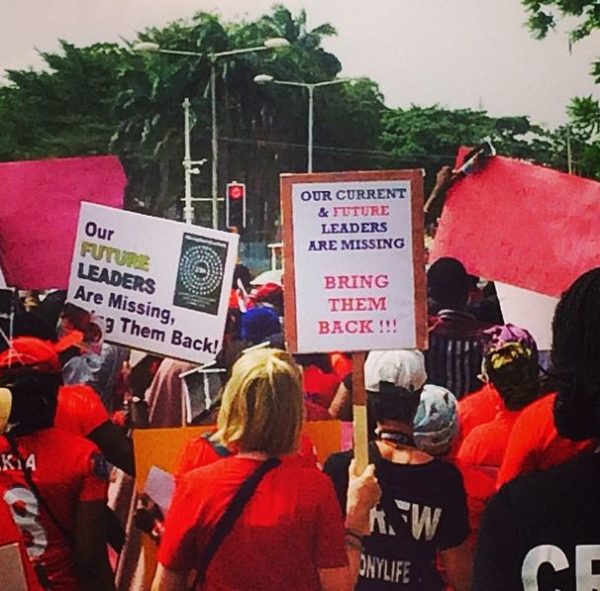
(160, 286)
(161, 447)
(525, 225)
(533, 311)
(354, 262)
(39, 207)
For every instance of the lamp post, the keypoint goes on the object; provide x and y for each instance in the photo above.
(310, 87)
(188, 165)
(274, 43)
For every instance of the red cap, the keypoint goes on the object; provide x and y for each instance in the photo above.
(30, 352)
(268, 292)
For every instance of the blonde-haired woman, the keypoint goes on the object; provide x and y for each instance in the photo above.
(288, 532)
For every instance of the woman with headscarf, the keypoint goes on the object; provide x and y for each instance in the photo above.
(510, 366)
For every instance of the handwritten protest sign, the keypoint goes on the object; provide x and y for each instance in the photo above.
(160, 286)
(39, 210)
(525, 225)
(354, 264)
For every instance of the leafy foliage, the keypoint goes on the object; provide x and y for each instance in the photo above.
(583, 131)
(108, 98)
(543, 16)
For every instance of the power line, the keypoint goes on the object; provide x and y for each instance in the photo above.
(335, 149)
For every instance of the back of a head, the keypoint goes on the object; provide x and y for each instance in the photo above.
(320, 360)
(448, 284)
(30, 371)
(436, 421)
(575, 358)
(511, 365)
(262, 407)
(394, 380)
(258, 324)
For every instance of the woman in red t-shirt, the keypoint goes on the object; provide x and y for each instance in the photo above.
(290, 535)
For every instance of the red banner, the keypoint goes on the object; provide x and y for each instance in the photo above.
(525, 225)
(39, 208)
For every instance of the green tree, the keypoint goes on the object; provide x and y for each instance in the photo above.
(544, 14)
(65, 110)
(429, 137)
(583, 130)
(262, 130)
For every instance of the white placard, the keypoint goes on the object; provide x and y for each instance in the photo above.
(354, 265)
(529, 310)
(160, 486)
(160, 286)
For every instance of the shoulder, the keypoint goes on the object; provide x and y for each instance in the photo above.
(83, 402)
(538, 411)
(70, 443)
(446, 470)
(553, 487)
(75, 447)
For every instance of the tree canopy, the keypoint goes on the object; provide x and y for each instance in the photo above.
(109, 98)
(584, 112)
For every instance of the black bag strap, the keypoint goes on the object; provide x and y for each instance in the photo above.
(231, 515)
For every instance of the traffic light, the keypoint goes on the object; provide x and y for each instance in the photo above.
(235, 209)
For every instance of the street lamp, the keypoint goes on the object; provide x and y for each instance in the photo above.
(273, 43)
(310, 86)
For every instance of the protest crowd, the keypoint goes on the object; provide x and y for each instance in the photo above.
(443, 504)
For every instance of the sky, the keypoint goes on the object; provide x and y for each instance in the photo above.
(455, 53)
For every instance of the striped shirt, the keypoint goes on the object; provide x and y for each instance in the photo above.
(453, 359)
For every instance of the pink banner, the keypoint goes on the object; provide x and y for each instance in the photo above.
(39, 208)
(525, 225)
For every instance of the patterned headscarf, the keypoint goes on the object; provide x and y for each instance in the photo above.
(510, 363)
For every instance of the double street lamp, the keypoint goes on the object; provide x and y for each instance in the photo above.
(269, 44)
(310, 87)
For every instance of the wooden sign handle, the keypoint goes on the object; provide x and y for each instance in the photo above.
(359, 409)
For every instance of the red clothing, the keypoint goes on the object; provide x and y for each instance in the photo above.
(476, 409)
(67, 469)
(486, 444)
(200, 452)
(291, 527)
(535, 444)
(195, 454)
(313, 411)
(10, 534)
(319, 387)
(479, 459)
(341, 364)
(79, 410)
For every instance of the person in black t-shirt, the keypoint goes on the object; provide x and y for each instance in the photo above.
(542, 531)
(423, 508)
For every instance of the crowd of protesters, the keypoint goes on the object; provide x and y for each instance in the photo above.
(482, 465)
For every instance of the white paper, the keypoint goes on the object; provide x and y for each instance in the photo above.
(160, 486)
(530, 310)
(349, 296)
(169, 295)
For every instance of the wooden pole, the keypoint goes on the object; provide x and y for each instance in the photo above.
(359, 407)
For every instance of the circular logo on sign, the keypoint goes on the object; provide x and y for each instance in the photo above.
(201, 270)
